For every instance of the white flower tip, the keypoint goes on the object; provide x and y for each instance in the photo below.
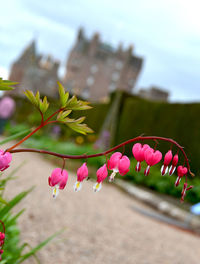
(112, 176)
(97, 187)
(77, 186)
(55, 192)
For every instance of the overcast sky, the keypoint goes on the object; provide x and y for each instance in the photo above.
(165, 33)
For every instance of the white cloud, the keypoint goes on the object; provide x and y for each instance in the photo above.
(4, 73)
(165, 32)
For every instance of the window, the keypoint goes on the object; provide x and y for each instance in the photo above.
(94, 68)
(112, 87)
(86, 93)
(119, 65)
(115, 76)
(90, 81)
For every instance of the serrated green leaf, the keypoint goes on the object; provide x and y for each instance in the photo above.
(6, 85)
(78, 121)
(75, 104)
(62, 115)
(72, 102)
(80, 128)
(63, 95)
(37, 97)
(44, 105)
(30, 95)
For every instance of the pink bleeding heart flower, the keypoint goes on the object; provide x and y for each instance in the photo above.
(5, 159)
(82, 174)
(152, 157)
(118, 163)
(174, 164)
(138, 151)
(185, 188)
(102, 173)
(181, 171)
(2, 236)
(58, 180)
(167, 160)
(124, 165)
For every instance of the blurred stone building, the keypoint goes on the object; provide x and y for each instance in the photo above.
(94, 69)
(35, 72)
(154, 94)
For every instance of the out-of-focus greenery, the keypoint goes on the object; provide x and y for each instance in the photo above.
(177, 121)
(66, 106)
(14, 251)
(24, 113)
(68, 148)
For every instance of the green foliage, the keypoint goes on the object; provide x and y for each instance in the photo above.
(41, 105)
(66, 107)
(63, 95)
(176, 121)
(15, 136)
(13, 251)
(68, 148)
(6, 85)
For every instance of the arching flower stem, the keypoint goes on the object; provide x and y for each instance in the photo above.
(84, 156)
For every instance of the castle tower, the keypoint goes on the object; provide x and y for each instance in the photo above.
(35, 72)
(94, 69)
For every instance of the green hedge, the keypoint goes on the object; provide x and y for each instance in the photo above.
(177, 121)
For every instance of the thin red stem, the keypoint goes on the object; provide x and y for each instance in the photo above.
(25, 138)
(55, 113)
(2, 223)
(43, 123)
(140, 138)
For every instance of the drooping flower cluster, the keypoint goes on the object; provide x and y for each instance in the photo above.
(2, 237)
(146, 153)
(5, 159)
(119, 163)
(152, 157)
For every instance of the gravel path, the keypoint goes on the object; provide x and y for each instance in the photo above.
(100, 227)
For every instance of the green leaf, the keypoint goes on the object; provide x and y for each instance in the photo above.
(80, 128)
(63, 96)
(38, 247)
(13, 202)
(75, 104)
(7, 85)
(31, 97)
(62, 115)
(43, 105)
(78, 121)
(17, 135)
(12, 220)
(3, 201)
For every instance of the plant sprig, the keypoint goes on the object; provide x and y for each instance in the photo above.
(6, 85)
